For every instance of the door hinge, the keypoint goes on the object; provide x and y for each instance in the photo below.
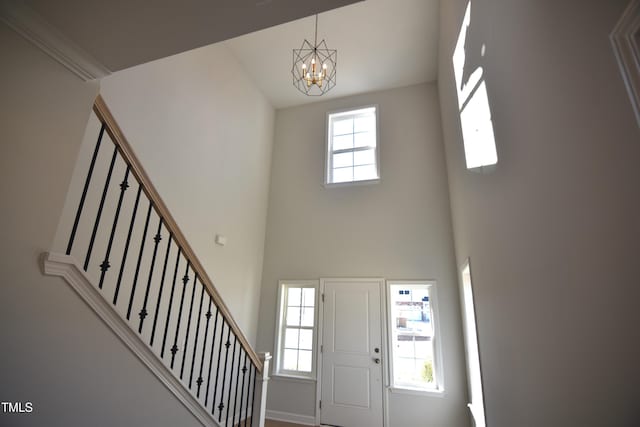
(321, 347)
(320, 404)
(322, 297)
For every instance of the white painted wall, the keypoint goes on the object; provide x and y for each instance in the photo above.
(399, 228)
(554, 232)
(203, 133)
(55, 352)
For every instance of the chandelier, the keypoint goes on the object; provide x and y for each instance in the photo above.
(314, 67)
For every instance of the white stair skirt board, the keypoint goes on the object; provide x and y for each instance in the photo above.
(66, 267)
(288, 417)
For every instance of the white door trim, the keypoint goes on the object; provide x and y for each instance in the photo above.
(383, 319)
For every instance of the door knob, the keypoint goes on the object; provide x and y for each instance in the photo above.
(377, 360)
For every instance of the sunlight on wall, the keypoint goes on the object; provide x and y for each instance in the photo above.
(473, 101)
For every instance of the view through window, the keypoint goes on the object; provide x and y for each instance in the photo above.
(352, 146)
(296, 335)
(413, 335)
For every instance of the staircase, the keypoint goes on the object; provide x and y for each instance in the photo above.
(127, 258)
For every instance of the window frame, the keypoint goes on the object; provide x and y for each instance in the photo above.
(281, 325)
(438, 389)
(473, 360)
(328, 163)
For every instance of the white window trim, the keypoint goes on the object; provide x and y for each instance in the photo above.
(328, 149)
(476, 407)
(281, 325)
(438, 359)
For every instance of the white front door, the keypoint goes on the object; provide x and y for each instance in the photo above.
(351, 381)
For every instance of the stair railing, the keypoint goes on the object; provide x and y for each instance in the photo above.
(221, 366)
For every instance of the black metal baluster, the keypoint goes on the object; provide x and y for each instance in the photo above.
(126, 245)
(157, 238)
(135, 277)
(224, 374)
(253, 393)
(164, 271)
(235, 398)
(186, 337)
(105, 264)
(244, 374)
(173, 287)
(195, 341)
(213, 344)
(204, 346)
(100, 207)
(84, 191)
(185, 280)
(233, 360)
(246, 411)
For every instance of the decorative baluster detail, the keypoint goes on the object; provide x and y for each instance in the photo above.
(186, 336)
(173, 288)
(233, 360)
(235, 397)
(156, 239)
(213, 344)
(100, 207)
(224, 373)
(105, 264)
(126, 245)
(174, 349)
(195, 341)
(253, 393)
(84, 190)
(204, 347)
(164, 271)
(135, 277)
(244, 375)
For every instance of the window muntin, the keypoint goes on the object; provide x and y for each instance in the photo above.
(295, 341)
(352, 146)
(412, 325)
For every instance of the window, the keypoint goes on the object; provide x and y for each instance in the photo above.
(413, 326)
(296, 333)
(476, 400)
(352, 146)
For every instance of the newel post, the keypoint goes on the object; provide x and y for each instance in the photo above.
(260, 401)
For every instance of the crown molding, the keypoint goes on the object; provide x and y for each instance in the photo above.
(50, 40)
(625, 39)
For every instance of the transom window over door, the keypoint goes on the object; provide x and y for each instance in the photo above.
(352, 146)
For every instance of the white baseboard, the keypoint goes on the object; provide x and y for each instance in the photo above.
(307, 420)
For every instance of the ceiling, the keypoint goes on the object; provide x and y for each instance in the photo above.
(122, 33)
(381, 44)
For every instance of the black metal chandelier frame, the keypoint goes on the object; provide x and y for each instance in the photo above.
(314, 67)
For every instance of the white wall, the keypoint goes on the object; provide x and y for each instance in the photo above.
(55, 352)
(399, 228)
(554, 232)
(203, 133)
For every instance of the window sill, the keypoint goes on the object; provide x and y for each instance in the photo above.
(418, 391)
(293, 378)
(351, 183)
